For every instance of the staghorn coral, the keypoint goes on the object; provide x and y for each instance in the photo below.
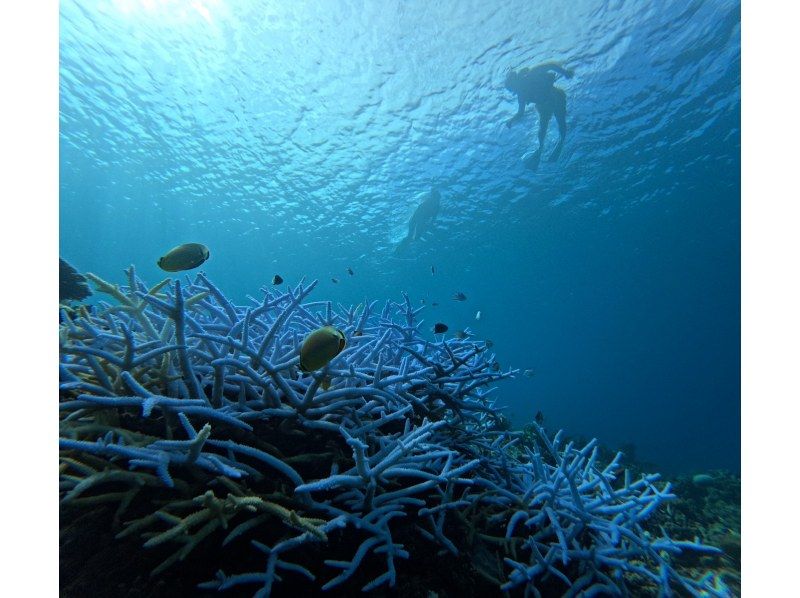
(193, 410)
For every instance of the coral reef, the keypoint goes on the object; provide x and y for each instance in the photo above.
(708, 507)
(190, 417)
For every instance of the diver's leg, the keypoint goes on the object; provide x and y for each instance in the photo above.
(544, 120)
(412, 228)
(560, 112)
(402, 245)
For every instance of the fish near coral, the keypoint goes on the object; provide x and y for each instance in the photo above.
(320, 347)
(502, 423)
(184, 257)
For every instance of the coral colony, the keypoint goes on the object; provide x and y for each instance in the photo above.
(190, 411)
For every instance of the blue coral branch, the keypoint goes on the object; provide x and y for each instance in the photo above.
(415, 421)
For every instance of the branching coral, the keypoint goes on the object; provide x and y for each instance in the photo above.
(175, 397)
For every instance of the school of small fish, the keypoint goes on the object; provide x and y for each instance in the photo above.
(322, 345)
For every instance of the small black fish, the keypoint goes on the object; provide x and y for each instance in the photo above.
(277, 279)
(350, 271)
(489, 343)
(334, 280)
(434, 304)
(539, 418)
(433, 270)
(459, 297)
(495, 366)
(440, 328)
(502, 423)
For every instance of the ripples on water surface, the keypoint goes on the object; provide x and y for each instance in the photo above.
(293, 137)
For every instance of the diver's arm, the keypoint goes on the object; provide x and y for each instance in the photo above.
(557, 68)
(520, 113)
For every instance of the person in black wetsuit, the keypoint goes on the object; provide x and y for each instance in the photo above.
(422, 220)
(535, 86)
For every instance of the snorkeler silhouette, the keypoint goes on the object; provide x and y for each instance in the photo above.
(535, 86)
(422, 220)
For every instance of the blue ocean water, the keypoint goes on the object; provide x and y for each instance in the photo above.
(296, 138)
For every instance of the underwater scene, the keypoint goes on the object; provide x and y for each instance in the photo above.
(399, 298)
